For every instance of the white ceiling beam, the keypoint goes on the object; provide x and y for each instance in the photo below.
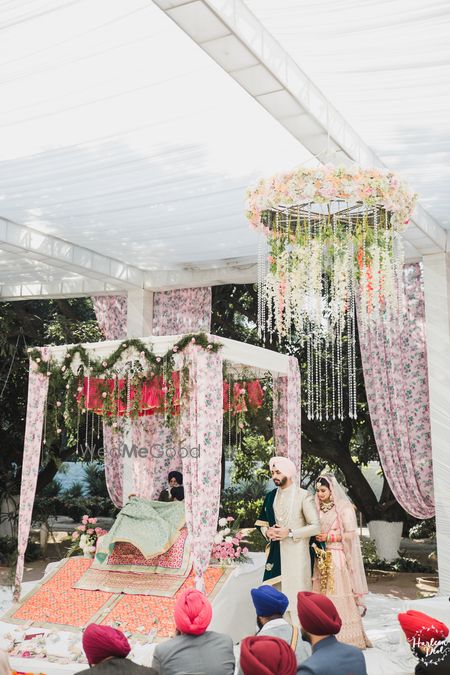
(25, 241)
(70, 288)
(231, 34)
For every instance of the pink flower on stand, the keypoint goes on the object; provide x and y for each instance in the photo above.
(81, 528)
(92, 520)
(85, 520)
(90, 531)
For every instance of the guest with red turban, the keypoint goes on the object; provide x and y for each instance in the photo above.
(320, 622)
(194, 649)
(107, 649)
(428, 640)
(267, 655)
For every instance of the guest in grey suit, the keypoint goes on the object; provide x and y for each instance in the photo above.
(106, 650)
(194, 650)
(320, 623)
(270, 605)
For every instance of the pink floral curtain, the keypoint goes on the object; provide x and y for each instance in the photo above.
(179, 311)
(202, 423)
(36, 402)
(185, 310)
(111, 313)
(287, 414)
(396, 377)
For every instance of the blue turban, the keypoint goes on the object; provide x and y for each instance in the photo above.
(269, 601)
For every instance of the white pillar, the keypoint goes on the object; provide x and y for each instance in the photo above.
(436, 268)
(139, 313)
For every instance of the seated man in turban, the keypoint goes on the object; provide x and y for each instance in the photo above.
(270, 605)
(287, 520)
(267, 655)
(194, 649)
(106, 650)
(320, 623)
(174, 479)
(427, 638)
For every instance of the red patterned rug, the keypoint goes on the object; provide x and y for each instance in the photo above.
(55, 603)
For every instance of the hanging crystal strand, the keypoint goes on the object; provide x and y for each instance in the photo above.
(86, 440)
(333, 370)
(262, 273)
(78, 429)
(327, 354)
(339, 366)
(309, 374)
(350, 295)
(92, 431)
(229, 414)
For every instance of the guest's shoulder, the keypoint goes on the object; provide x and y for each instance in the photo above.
(219, 637)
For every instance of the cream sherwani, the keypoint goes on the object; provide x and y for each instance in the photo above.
(295, 509)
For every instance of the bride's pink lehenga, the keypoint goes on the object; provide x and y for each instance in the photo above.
(343, 590)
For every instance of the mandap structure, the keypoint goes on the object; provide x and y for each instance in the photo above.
(151, 396)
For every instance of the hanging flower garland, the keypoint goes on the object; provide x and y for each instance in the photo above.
(131, 382)
(116, 384)
(330, 239)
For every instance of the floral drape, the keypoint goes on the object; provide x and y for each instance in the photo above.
(185, 310)
(111, 313)
(36, 402)
(287, 414)
(179, 311)
(202, 424)
(396, 377)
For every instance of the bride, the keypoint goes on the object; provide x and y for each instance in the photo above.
(339, 573)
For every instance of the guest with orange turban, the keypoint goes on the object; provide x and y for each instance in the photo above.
(428, 640)
(194, 649)
(320, 622)
(267, 655)
(106, 649)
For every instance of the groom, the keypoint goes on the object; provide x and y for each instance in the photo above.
(287, 520)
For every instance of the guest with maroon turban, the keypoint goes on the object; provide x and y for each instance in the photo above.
(267, 655)
(428, 641)
(194, 649)
(320, 622)
(106, 650)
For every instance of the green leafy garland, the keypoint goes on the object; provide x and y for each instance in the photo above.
(66, 400)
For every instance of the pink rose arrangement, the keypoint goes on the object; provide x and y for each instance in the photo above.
(85, 537)
(227, 547)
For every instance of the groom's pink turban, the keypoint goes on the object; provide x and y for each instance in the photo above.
(284, 465)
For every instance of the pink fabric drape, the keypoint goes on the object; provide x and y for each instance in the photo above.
(36, 402)
(185, 310)
(202, 424)
(179, 311)
(287, 414)
(396, 377)
(111, 314)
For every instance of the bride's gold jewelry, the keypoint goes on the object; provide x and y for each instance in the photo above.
(326, 506)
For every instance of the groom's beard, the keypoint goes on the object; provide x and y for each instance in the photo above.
(279, 482)
(259, 623)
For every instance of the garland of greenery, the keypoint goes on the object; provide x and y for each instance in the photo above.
(66, 400)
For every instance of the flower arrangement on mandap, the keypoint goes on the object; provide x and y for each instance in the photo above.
(85, 537)
(227, 547)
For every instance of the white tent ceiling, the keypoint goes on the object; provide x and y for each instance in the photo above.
(121, 137)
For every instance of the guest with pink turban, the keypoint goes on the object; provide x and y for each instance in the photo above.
(106, 650)
(288, 519)
(194, 649)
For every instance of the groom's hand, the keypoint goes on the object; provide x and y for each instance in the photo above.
(280, 532)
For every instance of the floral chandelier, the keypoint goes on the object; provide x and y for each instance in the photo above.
(330, 243)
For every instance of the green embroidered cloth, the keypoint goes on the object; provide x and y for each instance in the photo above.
(151, 526)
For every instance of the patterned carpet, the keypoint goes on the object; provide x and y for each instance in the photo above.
(55, 603)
